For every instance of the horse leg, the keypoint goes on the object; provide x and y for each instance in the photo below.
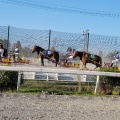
(56, 60)
(42, 62)
(111, 65)
(84, 64)
(86, 67)
(97, 65)
(55, 63)
(95, 68)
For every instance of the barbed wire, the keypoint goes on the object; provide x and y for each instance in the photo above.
(58, 8)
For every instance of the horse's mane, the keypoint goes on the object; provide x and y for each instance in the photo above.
(40, 48)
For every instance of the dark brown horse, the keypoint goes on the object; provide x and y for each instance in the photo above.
(89, 58)
(42, 53)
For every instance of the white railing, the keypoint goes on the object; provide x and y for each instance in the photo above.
(56, 71)
(55, 76)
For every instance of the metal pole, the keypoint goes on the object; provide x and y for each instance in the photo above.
(8, 37)
(84, 39)
(87, 41)
(49, 39)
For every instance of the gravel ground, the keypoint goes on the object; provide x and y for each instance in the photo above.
(17, 106)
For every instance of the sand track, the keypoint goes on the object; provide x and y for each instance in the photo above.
(17, 106)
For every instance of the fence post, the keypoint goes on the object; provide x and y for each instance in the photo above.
(97, 84)
(56, 76)
(19, 80)
(79, 83)
(49, 39)
(47, 77)
(8, 38)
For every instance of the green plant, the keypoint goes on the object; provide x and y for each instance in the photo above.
(107, 84)
(8, 80)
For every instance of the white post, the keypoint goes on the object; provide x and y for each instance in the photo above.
(97, 84)
(19, 80)
(47, 77)
(79, 82)
(56, 76)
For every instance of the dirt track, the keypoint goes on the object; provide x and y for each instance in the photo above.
(19, 106)
(53, 107)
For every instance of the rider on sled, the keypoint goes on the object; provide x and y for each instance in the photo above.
(117, 57)
(16, 53)
(71, 55)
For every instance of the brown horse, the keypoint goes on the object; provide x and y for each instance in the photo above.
(42, 53)
(89, 58)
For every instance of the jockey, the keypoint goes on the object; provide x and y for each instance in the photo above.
(16, 50)
(16, 53)
(117, 57)
(71, 55)
(1, 50)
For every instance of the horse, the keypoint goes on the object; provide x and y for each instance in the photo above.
(89, 58)
(42, 53)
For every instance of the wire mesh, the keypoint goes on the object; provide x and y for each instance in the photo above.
(98, 44)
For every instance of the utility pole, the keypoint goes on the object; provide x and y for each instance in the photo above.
(8, 38)
(86, 40)
(49, 39)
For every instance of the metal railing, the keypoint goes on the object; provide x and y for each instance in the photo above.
(56, 71)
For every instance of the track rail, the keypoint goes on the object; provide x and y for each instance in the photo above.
(56, 70)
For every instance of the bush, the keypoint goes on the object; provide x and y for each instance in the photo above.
(8, 80)
(107, 84)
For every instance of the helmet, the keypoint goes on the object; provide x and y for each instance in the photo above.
(116, 52)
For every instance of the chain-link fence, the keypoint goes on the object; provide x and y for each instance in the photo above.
(60, 41)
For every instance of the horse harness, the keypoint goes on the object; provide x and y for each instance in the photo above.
(92, 58)
(47, 53)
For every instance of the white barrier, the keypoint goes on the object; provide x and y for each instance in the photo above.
(54, 76)
(55, 70)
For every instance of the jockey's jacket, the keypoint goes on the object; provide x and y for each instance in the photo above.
(16, 50)
(117, 56)
(71, 54)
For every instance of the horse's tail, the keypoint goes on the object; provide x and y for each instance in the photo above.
(100, 62)
(57, 59)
